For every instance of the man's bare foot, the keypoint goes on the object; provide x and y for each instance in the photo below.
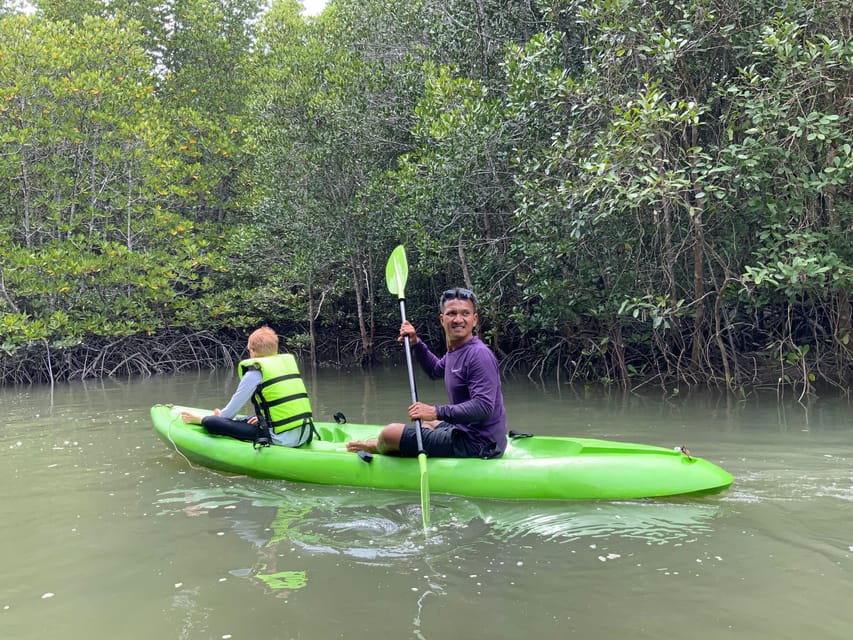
(363, 445)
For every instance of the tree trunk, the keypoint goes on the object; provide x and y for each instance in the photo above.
(618, 354)
(366, 341)
(697, 221)
(842, 330)
(664, 215)
(312, 339)
(463, 262)
(698, 286)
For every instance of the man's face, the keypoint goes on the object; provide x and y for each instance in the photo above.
(458, 319)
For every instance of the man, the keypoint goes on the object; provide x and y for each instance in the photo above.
(473, 424)
(271, 381)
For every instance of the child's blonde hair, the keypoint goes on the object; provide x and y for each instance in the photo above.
(264, 342)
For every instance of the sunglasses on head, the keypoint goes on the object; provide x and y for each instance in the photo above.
(458, 293)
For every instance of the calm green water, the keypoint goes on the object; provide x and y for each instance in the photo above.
(108, 533)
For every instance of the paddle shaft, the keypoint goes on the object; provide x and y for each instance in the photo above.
(412, 388)
(396, 272)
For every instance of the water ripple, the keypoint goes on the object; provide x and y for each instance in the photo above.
(651, 521)
(376, 527)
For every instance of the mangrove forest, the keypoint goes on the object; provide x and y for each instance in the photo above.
(640, 192)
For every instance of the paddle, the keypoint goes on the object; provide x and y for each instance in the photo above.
(396, 274)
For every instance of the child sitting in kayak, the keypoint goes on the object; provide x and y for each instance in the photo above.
(272, 382)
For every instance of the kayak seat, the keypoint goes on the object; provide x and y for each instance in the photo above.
(542, 447)
(332, 434)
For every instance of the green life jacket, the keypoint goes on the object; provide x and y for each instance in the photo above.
(281, 400)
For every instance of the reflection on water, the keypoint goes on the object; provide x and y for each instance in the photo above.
(338, 522)
(374, 527)
(288, 524)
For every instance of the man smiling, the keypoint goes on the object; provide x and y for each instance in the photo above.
(473, 424)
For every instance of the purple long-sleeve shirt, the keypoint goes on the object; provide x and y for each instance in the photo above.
(473, 385)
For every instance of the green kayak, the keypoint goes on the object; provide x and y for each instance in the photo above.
(533, 468)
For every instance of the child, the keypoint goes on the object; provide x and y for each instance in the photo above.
(271, 381)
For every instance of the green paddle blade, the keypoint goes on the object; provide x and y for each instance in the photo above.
(422, 462)
(397, 272)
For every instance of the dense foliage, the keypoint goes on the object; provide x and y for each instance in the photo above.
(637, 190)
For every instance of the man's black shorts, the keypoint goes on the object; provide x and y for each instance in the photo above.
(445, 441)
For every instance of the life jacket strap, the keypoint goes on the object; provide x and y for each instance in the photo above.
(282, 378)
